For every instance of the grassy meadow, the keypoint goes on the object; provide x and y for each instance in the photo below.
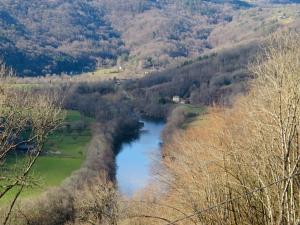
(64, 152)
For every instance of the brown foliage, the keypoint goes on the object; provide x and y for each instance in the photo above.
(97, 204)
(241, 165)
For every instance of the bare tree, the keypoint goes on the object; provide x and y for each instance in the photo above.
(97, 203)
(241, 165)
(26, 118)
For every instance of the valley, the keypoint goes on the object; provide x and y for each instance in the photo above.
(149, 112)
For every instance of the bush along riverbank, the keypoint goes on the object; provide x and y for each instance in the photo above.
(58, 205)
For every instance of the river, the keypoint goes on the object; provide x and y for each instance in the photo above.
(135, 159)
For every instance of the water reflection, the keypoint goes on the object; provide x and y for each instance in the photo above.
(135, 158)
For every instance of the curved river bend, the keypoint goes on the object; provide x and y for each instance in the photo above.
(135, 159)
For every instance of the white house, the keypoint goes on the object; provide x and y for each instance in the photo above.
(176, 99)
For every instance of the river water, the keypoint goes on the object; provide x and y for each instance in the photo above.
(135, 160)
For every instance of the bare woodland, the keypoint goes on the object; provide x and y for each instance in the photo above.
(234, 165)
(238, 165)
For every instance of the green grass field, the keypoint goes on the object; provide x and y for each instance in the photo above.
(64, 152)
(192, 114)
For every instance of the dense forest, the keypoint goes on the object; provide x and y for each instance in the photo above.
(46, 37)
(54, 37)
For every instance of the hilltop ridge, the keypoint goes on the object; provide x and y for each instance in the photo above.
(54, 37)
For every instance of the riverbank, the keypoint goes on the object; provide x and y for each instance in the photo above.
(115, 121)
(56, 206)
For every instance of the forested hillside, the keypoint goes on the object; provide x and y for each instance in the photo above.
(40, 37)
(51, 37)
(228, 165)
